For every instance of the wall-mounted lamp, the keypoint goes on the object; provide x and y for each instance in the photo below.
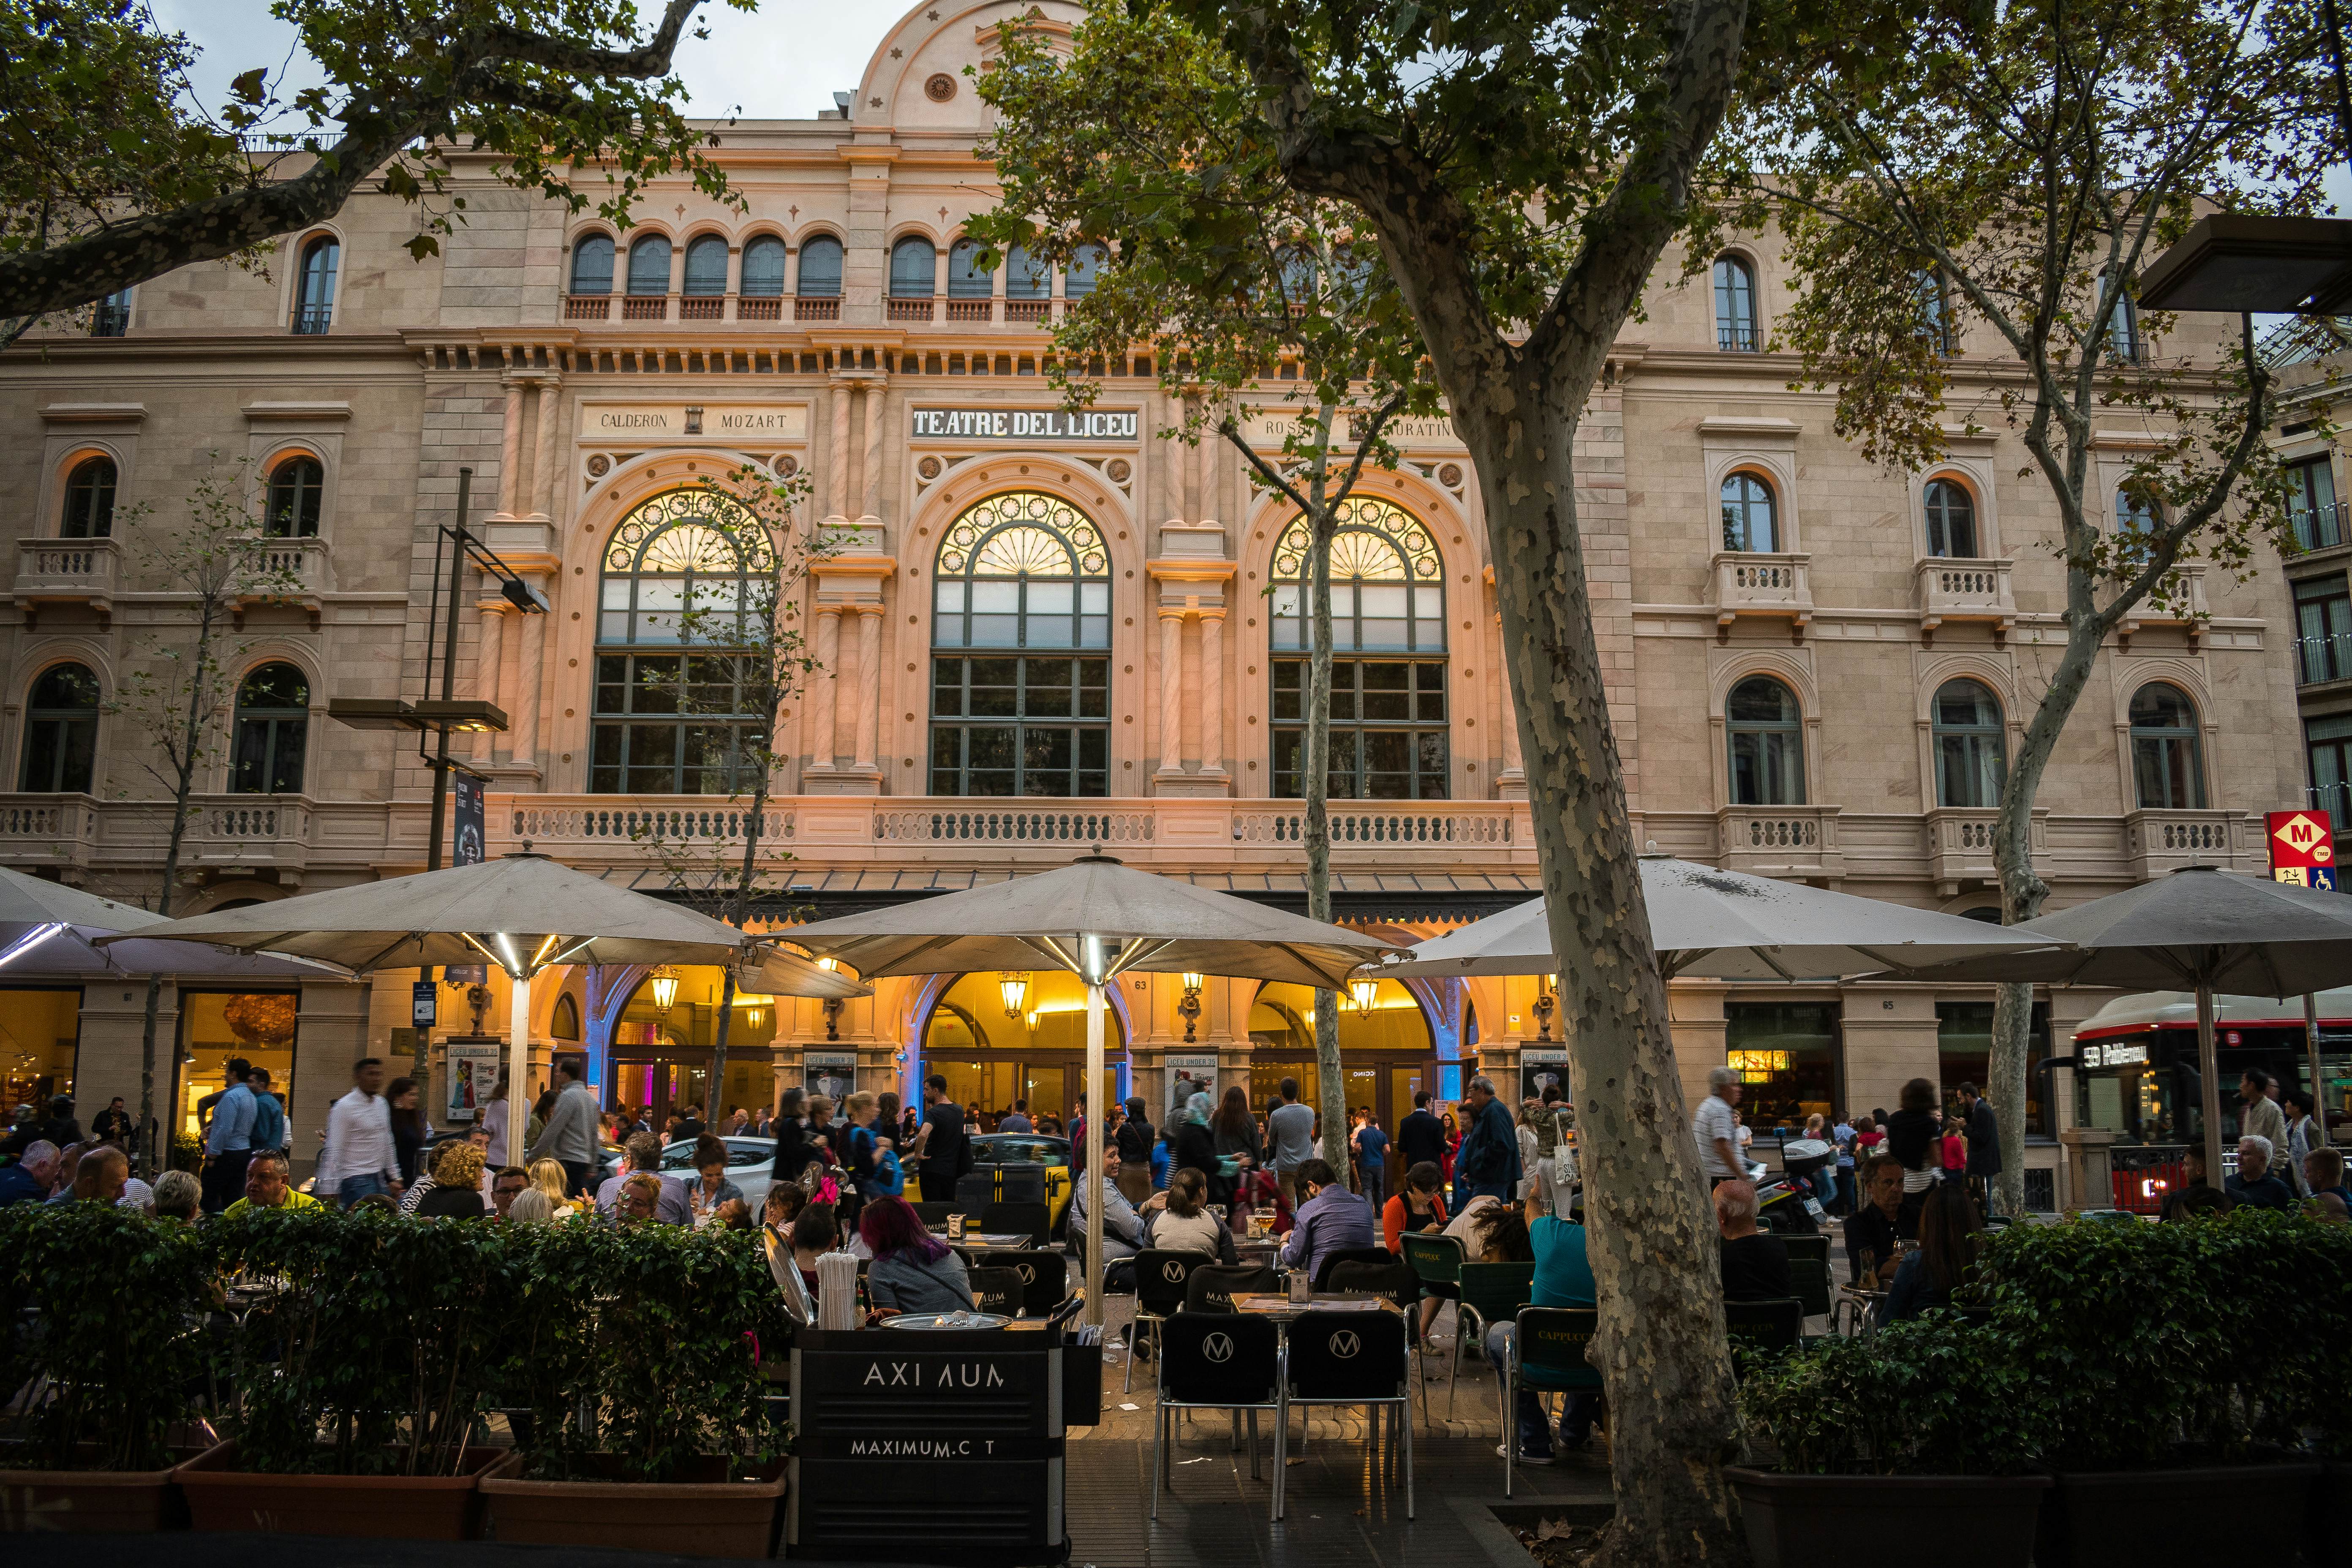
(1189, 1009)
(1544, 1004)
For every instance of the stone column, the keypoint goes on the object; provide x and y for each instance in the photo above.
(488, 653)
(509, 671)
(510, 453)
(869, 673)
(836, 478)
(1213, 692)
(530, 632)
(824, 691)
(1513, 783)
(870, 507)
(1212, 465)
(545, 472)
(1189, 501)
(1171, 691)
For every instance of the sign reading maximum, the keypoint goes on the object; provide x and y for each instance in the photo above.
(1022, 424)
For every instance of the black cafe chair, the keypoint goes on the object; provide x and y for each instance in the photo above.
(1548, 1346)
(935, 1215)
(1032, 1220)
(995, 1290)
(1160, 1279)
(1214, 1286)
(1397, 1282)
(1347, 1358)
(1216, 1361)
(1349, 1254)
(1768, 1328)
(1045, 1278)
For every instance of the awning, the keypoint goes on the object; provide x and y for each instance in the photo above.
(1357, 897)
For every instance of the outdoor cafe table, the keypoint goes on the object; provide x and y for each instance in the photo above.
(1278, 1306)
(991, 1241)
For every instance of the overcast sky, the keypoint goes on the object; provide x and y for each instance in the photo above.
(784, 62)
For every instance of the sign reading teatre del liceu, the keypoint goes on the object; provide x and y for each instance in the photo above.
(719, 422)
(934, 423)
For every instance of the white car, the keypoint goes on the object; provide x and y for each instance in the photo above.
(751, 1165)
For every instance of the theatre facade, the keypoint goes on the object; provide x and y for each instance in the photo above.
(1037, 630)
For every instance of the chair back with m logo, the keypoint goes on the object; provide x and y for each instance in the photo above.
(1214, 1286)
(1347, 1356)
(1045, 1278)
(996, 1290)
(1160, 1278)
(1215, 1358)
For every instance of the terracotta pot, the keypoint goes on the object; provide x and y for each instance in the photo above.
(714, 1517)
(1796, 1521)
(85, 1502)
(2328, 1541)
(2132, 1518)
(405, 1508)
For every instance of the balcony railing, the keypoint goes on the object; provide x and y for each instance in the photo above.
(2318, 527)
(971, 310)
(763, 307)
(1028, 310)
(2186, 605)
(1964, 590)
(54, 829)
(909, 310)
(646, 308)
(961, 823)
(1739, 339)
(571, 822)
(2324, 659)
(311, 321)
(67, 571)
(1752, 584)
(816, 310)
(2336, 800)
(1419, 825)
(1779, 840)
(109, 319)
(2157, 842)
(587, 307)
(703, 308)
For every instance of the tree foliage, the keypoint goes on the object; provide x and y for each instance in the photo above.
(564, 94)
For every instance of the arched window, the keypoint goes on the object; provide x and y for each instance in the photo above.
(2135, 513)
(1735, 306)
(914, 269)
(1750, 520)
(1970, 750)
(591, 264)
(763, 268)
(671, 714)
(111, 317)
(2168, 760)
(1951, 520)
(966, 279)
(820, 269)
(1767, 743)
(649, 266)
(1085, 262)
(291, 511)
(314, 285)
(1934, 310)
(1026, 279)
(706, 265)
(273, 722)
(62, 731)
(1026, 577)
(2122, 331)
(90, 501)
(564, 1023)
(1388, 665)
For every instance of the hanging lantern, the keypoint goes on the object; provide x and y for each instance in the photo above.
(1365, 993)
(1015, 987)
(665, 988)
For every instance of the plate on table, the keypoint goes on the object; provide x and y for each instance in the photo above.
(958, 1320)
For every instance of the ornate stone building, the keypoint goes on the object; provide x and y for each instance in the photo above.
(1044, 631)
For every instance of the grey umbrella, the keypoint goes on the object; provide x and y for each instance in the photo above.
(1096, 919)
(48, 929)
(521, 912)
(1727, 925)
(2201, 930)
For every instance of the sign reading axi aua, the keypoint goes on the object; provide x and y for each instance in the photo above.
(723, 422)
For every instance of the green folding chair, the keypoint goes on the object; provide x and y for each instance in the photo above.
(1491, 1293)
(1436, 1262)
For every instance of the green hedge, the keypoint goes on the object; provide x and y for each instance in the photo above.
(393, 1338)
(2093, 1345)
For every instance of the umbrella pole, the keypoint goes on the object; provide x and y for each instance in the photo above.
(2318, 1089)
(2209, 1069)
(1093, 1157)
(519, 1097)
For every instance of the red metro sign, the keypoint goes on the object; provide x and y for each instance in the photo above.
(2301, 838)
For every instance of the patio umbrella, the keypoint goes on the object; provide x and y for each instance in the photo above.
(522, 913)
(2202, 930)
(1727, 925)
(1096, 919)
(48, 929)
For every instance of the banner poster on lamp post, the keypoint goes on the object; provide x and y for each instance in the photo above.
(466, 838)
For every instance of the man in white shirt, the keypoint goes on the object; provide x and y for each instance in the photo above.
(1717, 1128)
(570, 1136)
(359, 1159)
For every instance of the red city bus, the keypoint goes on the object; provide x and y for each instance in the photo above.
(2135, 1075)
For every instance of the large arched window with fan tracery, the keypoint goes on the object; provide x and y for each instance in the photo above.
(685, 576)
(1388, 657)
(1020, 667)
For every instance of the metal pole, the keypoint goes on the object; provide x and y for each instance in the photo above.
(1096, 1200)
(518, 1068)
(2210, 1070)
(2318, 1089)
(449, 668)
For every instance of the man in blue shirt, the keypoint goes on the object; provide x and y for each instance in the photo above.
(1488, 1161)
(29, 1179)
(1563, 1278)
(1371, 1155)
(1330, 1219)
(228, 1141)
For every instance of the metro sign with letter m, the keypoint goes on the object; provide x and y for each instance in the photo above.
(2302, 848)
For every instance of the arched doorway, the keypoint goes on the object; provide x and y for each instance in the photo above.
(662, 1042)
(1388, 1052)
(1002, 1036)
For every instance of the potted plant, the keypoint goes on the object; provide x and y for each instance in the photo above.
(361, 1377)
(643, 1353)
(115, 1364)
(2178, 1362)
(1926, 1431)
